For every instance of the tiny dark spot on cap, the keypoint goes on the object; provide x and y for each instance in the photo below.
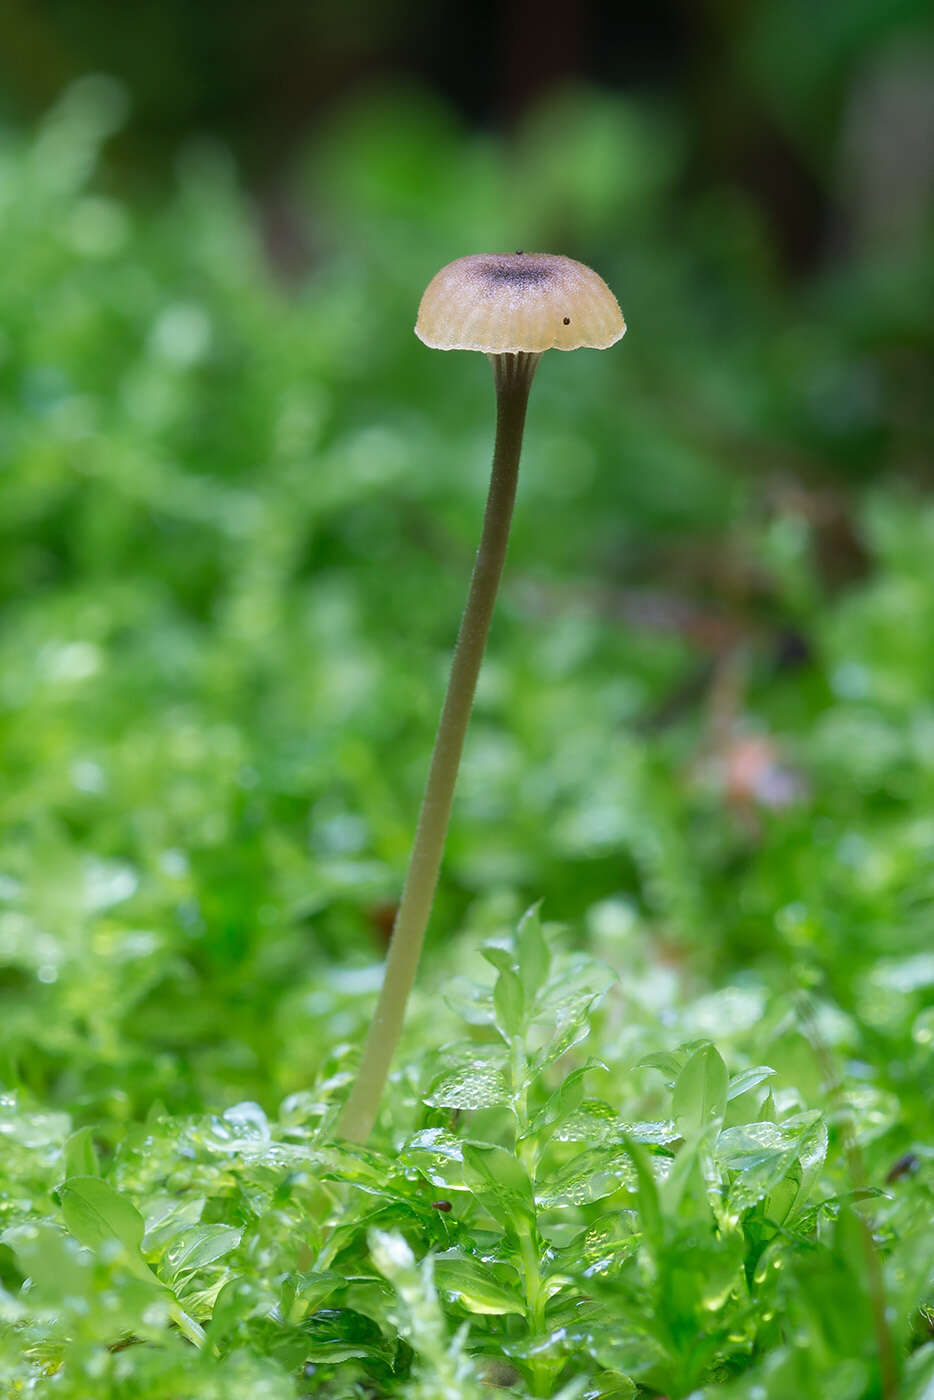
(567, 320)
(442, 1205)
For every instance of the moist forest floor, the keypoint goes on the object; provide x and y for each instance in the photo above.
(671, 1135)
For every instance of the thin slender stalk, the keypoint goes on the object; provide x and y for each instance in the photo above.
(512, 376)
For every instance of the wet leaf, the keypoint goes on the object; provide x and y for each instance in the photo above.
(198, 1247)
(481, 1085)
(98, 1215)
(81, 1155)
(590, 1176)
(534, 956)
(473, 1286)
(700, 1092)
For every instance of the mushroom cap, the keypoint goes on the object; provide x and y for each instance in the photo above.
(509, 303)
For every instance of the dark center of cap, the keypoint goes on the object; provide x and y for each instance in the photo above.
(505, 272)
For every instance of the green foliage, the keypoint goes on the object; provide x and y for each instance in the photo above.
(679, 1145)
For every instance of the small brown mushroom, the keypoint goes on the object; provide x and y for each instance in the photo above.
(512, 303)
(512, 307)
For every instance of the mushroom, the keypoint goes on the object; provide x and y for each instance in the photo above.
(511, 307)
(518, 304)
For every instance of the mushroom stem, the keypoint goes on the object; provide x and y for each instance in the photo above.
(512, 376)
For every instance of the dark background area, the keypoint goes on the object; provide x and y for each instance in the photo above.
(771, 96)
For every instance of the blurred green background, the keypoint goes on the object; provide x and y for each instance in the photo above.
(239, 500)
